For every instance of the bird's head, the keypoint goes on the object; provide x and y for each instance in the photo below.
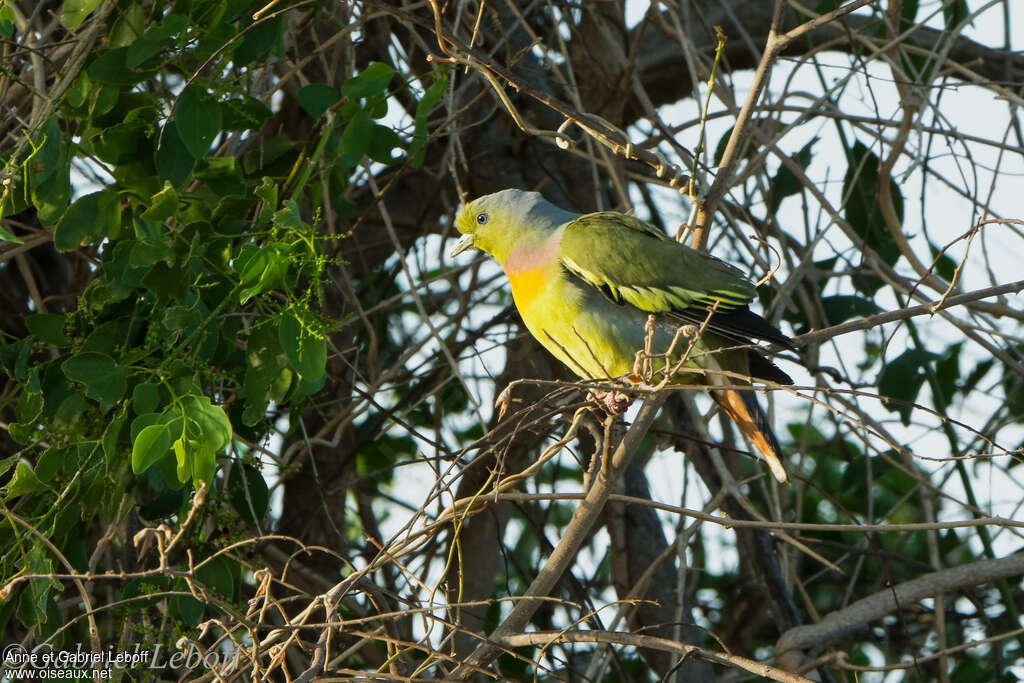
(501, 222)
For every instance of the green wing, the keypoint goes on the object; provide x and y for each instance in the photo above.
(631, 262)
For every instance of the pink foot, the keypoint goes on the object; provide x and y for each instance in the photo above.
(615, 402)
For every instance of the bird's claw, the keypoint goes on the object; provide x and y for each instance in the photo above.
(614, 402)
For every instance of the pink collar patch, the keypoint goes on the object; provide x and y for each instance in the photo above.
(534, 256)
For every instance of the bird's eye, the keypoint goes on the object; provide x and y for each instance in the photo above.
(481, 218)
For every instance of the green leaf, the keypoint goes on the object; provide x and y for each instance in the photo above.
(183, 463)
(248, 493)
(111, 437)
(123, 143)
(11, 202)
(74, 12)
(246, 113)
(107, 336)
(164, 204)
(52, 196)
(39, 592)
(150, 445)
(383, 142)
(167, 283)
(909, 13)
(203, 14)
(785, 182)
(23, 432)
(30, 405)
(218, 575)
(289, 217)
(90, 219)
(214, 425)
(78, 92)
(129, 25)
(917, 63)
(902, 379)
(261, 269)
(430, 98)
(145, 398)
(102, 99)
(104, 380)
(199, 119)
(172, 159)
(355, 140)
(267, 192)
(50, 173)
(155, 39)
(14, 357)
(6, 464)
(265, 362)
(945, 266)
(979, 371)
(214, 39)
(860, 188)
(54, 460)
(222, 175)
(279, 386)
(843, 307)
(145, 420)
(260, 40)
(375, 462)
(24, 481)
(178, 318)
(147, 253)
(947, 372)
(1013, 387)
(48, 327)
(954, 12)
(45, 156)
(306, 349)
(970, 670)
(54, 386)
(187, 608)
(767, 124)
(9, 237)
(70, 410)
(135, 589)
(373, 80)
(112, 68)
(6, 30)
(316, 98)
(204, 464)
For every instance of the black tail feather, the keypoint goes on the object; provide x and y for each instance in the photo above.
(740, 324)
(763, 369)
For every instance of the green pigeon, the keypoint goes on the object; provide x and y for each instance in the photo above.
(587, 286)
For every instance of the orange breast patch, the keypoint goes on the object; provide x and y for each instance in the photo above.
(526, 285)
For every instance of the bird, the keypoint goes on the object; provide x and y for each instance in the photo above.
(595, 288)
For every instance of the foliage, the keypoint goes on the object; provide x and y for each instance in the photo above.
(202, 321)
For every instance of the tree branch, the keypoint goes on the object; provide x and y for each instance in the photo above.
(576, 532)
(839, 623)
(652, 642)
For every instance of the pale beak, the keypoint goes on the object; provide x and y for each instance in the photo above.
(464, 243)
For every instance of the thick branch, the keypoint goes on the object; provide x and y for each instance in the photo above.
(839, 623)
(908, 312)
